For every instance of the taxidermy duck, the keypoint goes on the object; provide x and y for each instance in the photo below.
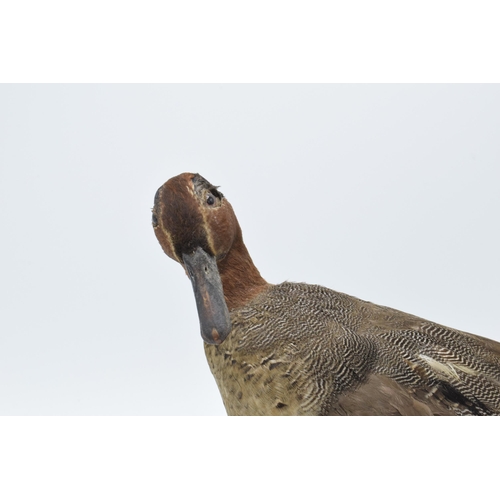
(299, 349)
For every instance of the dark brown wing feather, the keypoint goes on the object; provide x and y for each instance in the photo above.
(381, 395)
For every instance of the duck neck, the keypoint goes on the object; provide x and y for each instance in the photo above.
(241, 280)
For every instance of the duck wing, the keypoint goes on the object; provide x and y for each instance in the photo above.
(352, 357)
(425, 370)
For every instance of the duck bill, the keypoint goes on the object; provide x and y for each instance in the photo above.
(213, 313)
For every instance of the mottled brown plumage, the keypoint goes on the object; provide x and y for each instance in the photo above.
(299, 349)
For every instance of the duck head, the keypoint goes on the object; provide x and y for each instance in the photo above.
(196, 226)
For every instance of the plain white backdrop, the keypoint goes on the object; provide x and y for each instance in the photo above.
(387, 192)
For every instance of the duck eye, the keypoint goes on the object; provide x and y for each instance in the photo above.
(210, 200)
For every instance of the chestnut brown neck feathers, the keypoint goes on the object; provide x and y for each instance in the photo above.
(241, 280)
